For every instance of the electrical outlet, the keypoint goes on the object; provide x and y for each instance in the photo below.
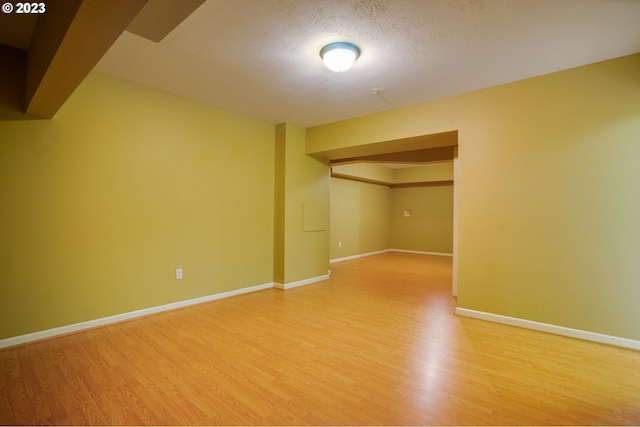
(178, 273)
(339, 244)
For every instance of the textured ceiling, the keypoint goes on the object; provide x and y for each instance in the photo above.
(260, 57)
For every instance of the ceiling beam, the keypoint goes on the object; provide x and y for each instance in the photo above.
(12, 83)
(415, 156)
(68, 41)
(414, 143)
(160, 17)
(392, 184)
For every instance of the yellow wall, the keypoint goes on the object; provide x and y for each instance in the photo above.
(547, 188)
(368, 217)
(302, 209)
(360, 218)
(101, 204)
(430, 226)
(125, 184)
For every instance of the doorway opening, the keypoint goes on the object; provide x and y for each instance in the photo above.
(398, 195)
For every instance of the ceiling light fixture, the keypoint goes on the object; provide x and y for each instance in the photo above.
(339, 56)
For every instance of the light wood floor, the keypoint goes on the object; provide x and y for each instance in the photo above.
(376, 344)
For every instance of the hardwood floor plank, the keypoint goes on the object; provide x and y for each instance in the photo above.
(377, 344)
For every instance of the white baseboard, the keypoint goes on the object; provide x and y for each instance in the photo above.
(49, 333)
(347, 258)
(300, 282)
(407, 251)
(550, 328)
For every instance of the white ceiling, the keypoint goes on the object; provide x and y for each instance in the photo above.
(260, 58)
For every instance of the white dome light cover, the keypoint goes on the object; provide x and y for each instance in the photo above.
(339, 56)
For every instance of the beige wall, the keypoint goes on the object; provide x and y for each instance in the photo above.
(548, 201)
(430, 226)
(360, 218)
(101, 204)
(368, 218)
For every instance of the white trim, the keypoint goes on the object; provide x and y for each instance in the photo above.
(49, 333)
(347, 258)
(286, 286)
(407, 251)
(549, 328)
(456, 208)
